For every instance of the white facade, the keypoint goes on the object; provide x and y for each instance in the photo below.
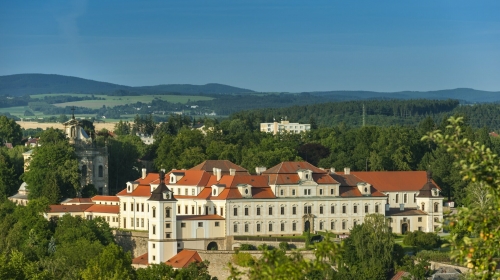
(284, 126)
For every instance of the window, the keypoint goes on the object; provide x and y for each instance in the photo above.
(321, 209)
(332, 225)
(419, 228)
(124, 222)
(423, 206)
(154, 258)
(270, 227)
(420, 219)
(405, 198)
(320, 191)
(282, 210)
(178, 209)
(436, 220)
(376, 208)
(436, 207)
(186, 209)
(294, 226)
(343, 224)
(282, 192)
(217, 224)
(307, 209)
(142, 222)
(235, 212)
(200, 224)
(154, 246)
(131, 222)
(293, 192)
(246, 227)
(154, 229)
(137, 222)
(137, 207)
(235, 227)
(183, 225)
(397, 198)
(414, 198)
(343, 209)
(332, 191)
(167, 225)
(206, 210)
(294, 210)
(258, 211)
(185, 191)
(321, 224)
(308, 191)
(355, 209)
(305, 191)
(167, 235)
(84, 170)
(124, 206)
(193, 192)
(332, 209)
(270, 210)
(167, 212)
(131, 207)
(199, 210)
(215, 192)
(366, 208)
(101, 171)
(282, 226)
(258, 227)
(355, 223)
(246, 211)
(142, 207)
(192, 210)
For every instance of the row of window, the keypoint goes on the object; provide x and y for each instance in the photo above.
(270, 226)
(208, 209)
(100, 172)
(307, 210)
(307, 192)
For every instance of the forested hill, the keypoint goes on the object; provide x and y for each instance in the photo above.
(378, 113)
(23, 84)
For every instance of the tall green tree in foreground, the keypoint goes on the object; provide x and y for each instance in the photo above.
(475, 229)
(10, 131)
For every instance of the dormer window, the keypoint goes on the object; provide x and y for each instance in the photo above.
(215, 192)
(172, 179)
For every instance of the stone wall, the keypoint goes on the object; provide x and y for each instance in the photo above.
(275, 244)
(436, 265)
(135, 242)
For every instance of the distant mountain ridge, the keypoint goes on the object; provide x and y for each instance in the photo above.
(22, 84)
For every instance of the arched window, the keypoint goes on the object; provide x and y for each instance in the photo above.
(101, 171)
(423, 206)
(154, 212)
(84, 170)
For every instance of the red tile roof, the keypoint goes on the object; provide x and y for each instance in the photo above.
(390, 181)
(192, 177)
(68, 208)
(105, 198)
(184, 258)
(144, 190)
(199, 217)
(99, 208)
(141, 260)
(290, 167)
(79, 201)
(224, 165)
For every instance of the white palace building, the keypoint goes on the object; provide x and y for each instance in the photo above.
(207, 206)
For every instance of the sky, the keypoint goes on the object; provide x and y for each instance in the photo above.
(272, 46)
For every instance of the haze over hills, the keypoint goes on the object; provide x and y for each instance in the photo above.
(23, 84)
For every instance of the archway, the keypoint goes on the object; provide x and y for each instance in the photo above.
(307, 226)
(404, 228)
(212, 246)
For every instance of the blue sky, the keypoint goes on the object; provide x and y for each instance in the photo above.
(268, 45)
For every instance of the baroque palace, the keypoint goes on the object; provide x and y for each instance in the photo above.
(207, 206)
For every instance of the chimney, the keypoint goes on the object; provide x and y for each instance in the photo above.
(332, 170)
(387, 206)
(347, 170)
(260, 169)
(218, 173)
(232, 171)
(143, 173)
(401, 207)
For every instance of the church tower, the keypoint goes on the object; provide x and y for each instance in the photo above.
(92, 160)
(162, 241)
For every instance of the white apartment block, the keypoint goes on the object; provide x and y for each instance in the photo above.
(284, 126)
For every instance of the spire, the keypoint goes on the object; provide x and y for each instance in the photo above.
(162, 193)
(73, 112)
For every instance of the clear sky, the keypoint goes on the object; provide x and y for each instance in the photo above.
(261, 45)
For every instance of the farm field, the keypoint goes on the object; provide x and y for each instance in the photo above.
(111, 101)
(19, 112)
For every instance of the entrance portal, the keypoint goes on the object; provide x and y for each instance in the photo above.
(404, 228)
(212, 246)
(307, 226)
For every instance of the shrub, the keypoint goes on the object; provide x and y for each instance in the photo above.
(247, 247)
(243, 259)
(422, 240)
(435, 256)
(284, 246)
(264, 247)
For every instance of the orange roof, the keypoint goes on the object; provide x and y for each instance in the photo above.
(139, 191)
(199, 217)
(141, 260)
(224, 165)
(68, 208)
(99, 208)
(290, 167)
(184, 258)
(192, 177)
(390, 181)
(105, 198)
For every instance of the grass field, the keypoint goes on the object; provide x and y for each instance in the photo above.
(111, 101)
